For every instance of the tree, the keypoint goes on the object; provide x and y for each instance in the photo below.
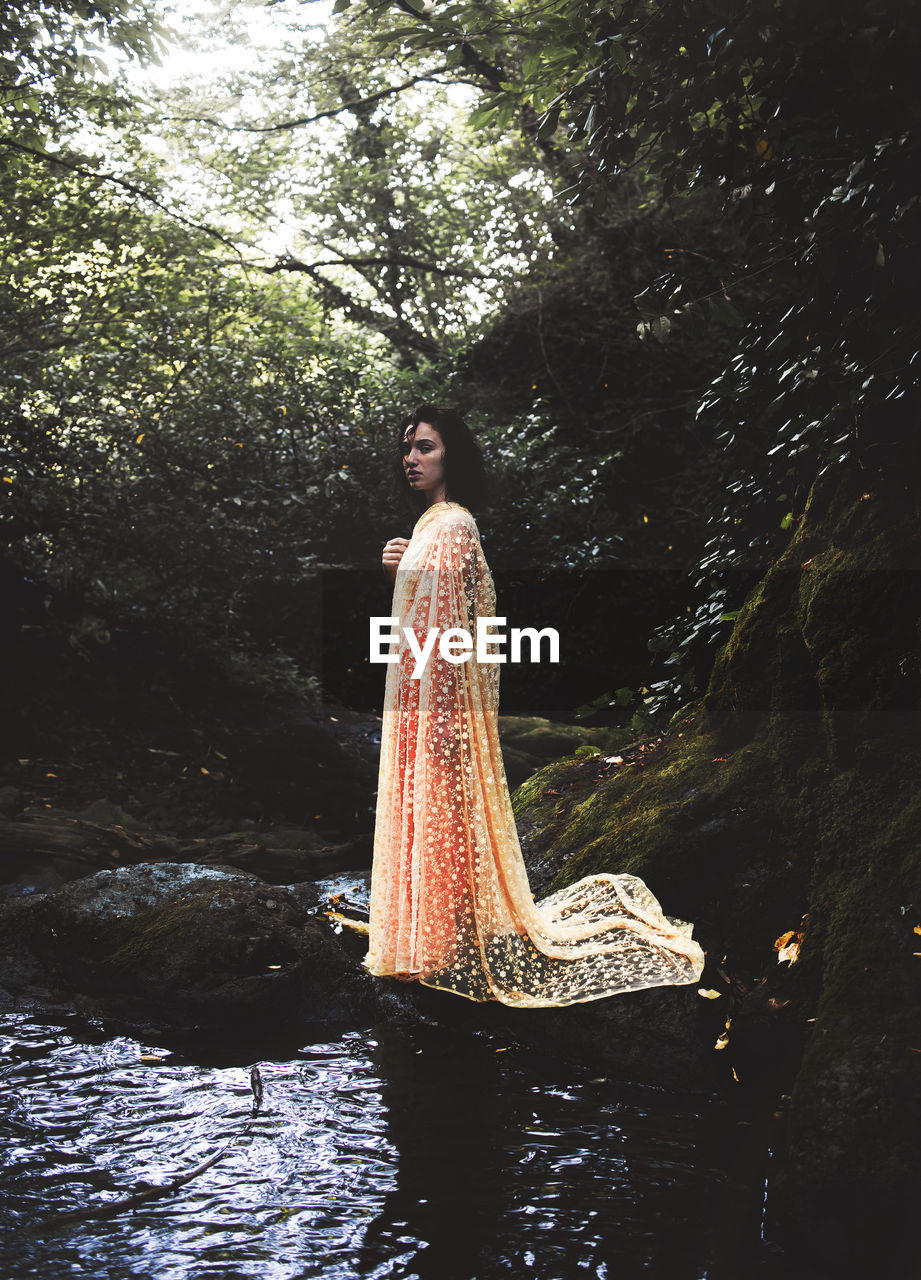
(800, 121)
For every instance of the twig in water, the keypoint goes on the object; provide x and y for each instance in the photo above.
(145, 1191)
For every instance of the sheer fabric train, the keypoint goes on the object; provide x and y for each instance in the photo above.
(450, 900)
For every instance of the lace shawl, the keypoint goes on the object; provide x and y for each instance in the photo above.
(450, 901)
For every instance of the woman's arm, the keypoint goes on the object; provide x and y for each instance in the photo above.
(451, 573)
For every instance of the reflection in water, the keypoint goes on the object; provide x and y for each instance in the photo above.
(397, 1152)
(448, 1117)
(506, 1171)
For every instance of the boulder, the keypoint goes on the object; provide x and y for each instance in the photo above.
(186, 947)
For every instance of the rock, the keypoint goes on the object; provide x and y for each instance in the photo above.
(661, 1035)
(186, 947)
(106, 814)
(41, 851)
(529, 742)
(11, 801)
(786, 801)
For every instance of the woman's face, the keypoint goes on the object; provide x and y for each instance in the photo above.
(423, 461)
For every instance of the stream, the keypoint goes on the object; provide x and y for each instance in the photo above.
(413, 1152)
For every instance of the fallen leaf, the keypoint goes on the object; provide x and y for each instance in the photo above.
(790, 953)
(708, 994)
(359, 926)
(917, 928)
(783, 939)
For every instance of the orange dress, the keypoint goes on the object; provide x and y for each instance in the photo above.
(450, 901)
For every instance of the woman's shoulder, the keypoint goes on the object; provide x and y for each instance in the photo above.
(447, 517)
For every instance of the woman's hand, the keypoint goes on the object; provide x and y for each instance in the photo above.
(393, 554)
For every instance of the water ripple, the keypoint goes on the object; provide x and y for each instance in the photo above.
(392, 1152)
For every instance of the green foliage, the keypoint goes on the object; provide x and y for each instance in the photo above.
(800, 121)
(365, 164)
(55, 61)
(663, 252)
(172, 429)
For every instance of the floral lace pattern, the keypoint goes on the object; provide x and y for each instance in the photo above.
(451, 905)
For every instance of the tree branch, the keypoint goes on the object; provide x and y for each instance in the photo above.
(398, 331)
(304, 120)
(130, 187)
(494, 76)
(390, 260)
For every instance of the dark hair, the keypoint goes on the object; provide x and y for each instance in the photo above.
(466, 480)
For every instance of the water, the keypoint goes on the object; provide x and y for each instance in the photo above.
(411, 1152)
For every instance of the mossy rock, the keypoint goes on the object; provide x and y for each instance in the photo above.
(787, 799)
(529, 742)
(186, 947)
(550, 739)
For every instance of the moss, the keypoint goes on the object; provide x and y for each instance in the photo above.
(790, 793)
(547, 739)
(152, 935)
(119, 950)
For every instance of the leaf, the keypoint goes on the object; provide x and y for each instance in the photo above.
(359, 926)
(709, 994)
(482, 115)
(723, 310)
(395, 33)
(618, 54)
(548, 123)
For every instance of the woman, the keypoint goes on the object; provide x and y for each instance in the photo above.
(451, 906)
